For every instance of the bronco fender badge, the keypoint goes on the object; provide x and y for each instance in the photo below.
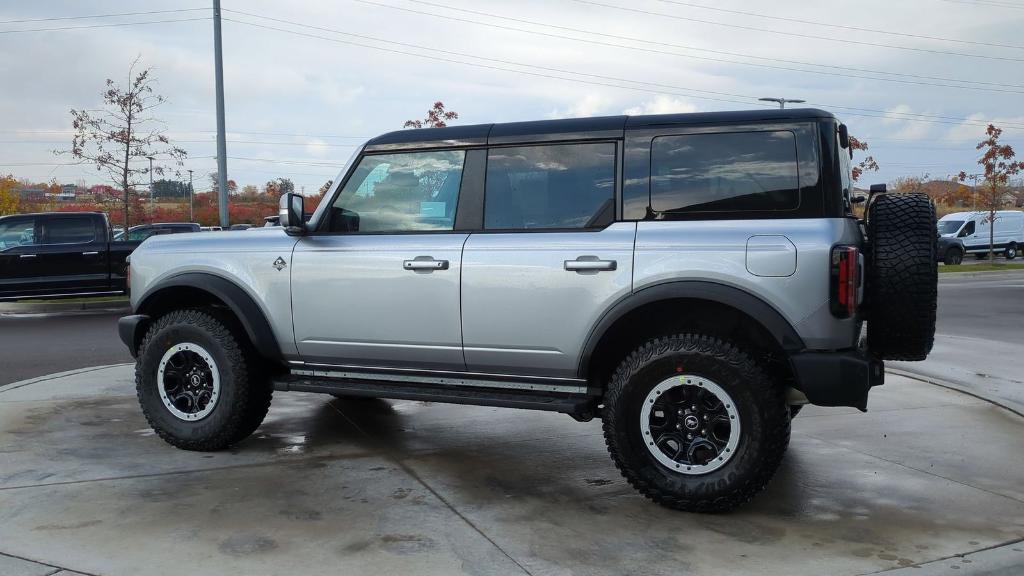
(280, 264)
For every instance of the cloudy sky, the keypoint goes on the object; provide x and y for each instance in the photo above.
(305, 80)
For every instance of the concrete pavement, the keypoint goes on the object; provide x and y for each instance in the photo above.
(347, 487)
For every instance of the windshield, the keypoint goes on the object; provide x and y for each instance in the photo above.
(950, 226)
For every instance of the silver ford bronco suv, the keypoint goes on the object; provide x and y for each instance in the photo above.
(690, 279)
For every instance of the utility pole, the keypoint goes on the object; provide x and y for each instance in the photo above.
(222, 147)
(782, 101)
(190, 193)
(152, 197)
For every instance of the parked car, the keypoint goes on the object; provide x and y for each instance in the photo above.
(240, 227)
(950, 250)
(60, 254)
(976, 232)
(211, 229)
(142, 231)
(271, 221)
(691, 279)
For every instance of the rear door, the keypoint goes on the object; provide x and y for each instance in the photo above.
(18, 256)
(549, 260)
(377, 285)
(73, 254)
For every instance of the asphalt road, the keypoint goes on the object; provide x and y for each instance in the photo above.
(979, 339)
(39, 344)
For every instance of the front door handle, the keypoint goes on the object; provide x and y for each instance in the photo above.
(27, 256)
(427, 263)
(90, 253)
(589, 264)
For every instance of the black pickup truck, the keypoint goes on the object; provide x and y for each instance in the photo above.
(60, 254)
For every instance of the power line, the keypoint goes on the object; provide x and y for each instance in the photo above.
(853, 111)
(797, 34)
(997, 86)
(986, 3)
(840, 26)
(146, 13)
(176, 141)
(69, 131)
(64, 28)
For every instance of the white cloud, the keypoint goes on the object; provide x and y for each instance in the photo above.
(661, 104)
(592, 104)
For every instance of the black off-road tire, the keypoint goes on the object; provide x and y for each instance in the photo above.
(760, 402)
(245, 389)
(902, 276)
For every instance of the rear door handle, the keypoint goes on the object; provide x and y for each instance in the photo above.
(425, 263)
(589, 264)
(27, 256)
(89, 253)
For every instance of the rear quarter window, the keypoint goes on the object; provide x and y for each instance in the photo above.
(725, 172)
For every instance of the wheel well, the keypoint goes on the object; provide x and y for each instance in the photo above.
(177, 297)
(665, 317)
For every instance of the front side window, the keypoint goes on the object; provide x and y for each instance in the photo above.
(17, 232)
(725, 172)
(404, 192)
(140, 234)
(73, 230)
(550, 186)
(968, 229)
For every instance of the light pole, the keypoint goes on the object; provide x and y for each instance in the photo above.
(782, 101)
(190, 218)
(222, 148)
(152, 197)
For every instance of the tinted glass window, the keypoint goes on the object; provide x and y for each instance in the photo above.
(17, 232)
(70, 230)
(968, 229)
(740, 171)
(950, 226)
(560, 186)
(400, 193)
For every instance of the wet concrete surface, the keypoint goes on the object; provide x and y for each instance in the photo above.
(329, 486)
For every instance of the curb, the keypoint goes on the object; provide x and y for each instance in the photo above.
(45, 307)
(37, 379)
(1002, 403)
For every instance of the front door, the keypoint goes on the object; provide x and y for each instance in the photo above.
(377, 284)
(549, 261)
(19, 266)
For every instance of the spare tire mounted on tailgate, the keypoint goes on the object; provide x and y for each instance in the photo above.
(902, 274)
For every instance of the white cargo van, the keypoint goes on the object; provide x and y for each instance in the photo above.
(974, 230)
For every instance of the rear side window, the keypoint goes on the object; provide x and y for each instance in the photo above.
(725, 172)
(73, 230)
(550, 186)
(16, 232)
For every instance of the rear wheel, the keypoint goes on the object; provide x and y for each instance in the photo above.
(199, 385)
(694, 423)
(1011, 251)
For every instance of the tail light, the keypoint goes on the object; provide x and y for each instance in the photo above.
(845, 280)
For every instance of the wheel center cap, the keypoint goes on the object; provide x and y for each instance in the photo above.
(196, 380)
(691, 422)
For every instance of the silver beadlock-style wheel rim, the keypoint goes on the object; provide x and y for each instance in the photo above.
(690, 424)
(188, 382)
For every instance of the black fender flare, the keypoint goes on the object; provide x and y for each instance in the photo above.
(770, 318)
(249, 314)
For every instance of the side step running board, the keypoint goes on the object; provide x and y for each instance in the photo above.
(579, 406)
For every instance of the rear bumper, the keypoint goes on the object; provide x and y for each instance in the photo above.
(839, 378)
(130, 329)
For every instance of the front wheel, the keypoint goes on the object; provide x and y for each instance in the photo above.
(694, 423)
(953, 257)
(198, 383)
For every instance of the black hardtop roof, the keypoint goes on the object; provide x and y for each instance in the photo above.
(595, 127)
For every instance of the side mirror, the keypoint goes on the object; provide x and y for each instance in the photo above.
(292, 214)
(844, 136)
